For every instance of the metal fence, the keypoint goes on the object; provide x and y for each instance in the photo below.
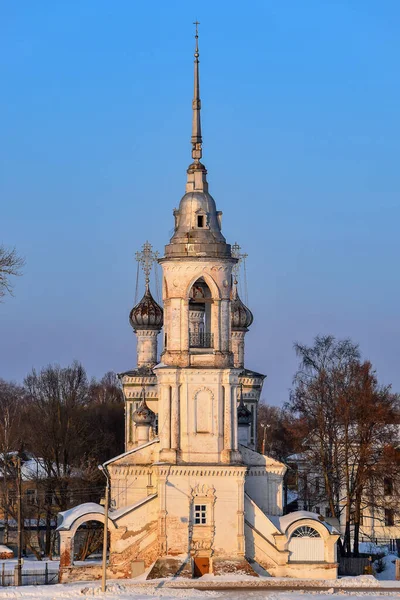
(201, 340)
(43, 576)
(393, 545)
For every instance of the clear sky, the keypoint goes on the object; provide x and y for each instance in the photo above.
(301, 136)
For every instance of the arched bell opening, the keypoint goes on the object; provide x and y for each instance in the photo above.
(200, 302)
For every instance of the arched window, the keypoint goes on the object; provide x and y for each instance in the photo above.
(200, 300)
(305, 531)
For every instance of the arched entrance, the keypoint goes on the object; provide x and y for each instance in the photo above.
(306, 545)
(88, 542)
(70, 523)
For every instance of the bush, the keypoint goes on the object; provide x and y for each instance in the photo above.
(380, 564)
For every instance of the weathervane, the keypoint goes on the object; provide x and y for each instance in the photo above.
(146, 257)
(235, 249)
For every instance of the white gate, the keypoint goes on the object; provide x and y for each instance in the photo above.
(306, 545)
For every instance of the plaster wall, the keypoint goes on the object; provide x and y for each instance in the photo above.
(198, 416)
(222, 493)
(265, 489)
(128, 488)
(136, 529)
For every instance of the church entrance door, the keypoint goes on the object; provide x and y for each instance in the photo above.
(201, 566)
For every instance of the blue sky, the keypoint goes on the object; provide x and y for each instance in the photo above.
(301, 140)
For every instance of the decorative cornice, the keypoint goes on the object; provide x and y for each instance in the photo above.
(140, 379)
(136, 393)
(191, 471)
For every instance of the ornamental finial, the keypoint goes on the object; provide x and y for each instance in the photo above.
(146, 257)
(196, 104)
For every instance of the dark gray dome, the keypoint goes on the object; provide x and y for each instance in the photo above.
(147, 314)
(241, 316)
(143, 415)
(243, 414)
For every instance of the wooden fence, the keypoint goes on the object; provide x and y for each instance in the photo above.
(353, 566)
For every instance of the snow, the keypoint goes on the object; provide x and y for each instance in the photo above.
(30, 565)
(4, 548)
(287, 520)
(116, 514)
(68, 517)
(292, 495)
(137, 591)
(33, 469)
(390, 568)
(129, 452)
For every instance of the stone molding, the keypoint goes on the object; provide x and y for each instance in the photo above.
(145, 379)
(275, 472)
(137, 393)
(147, 332)
(191, 471)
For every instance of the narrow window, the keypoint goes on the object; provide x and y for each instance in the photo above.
(31, 496)
(200, 220)
(388, 486)
(200, 514)
(389, 517)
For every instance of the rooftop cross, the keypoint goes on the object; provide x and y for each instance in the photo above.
(146, 257)
(235, 249)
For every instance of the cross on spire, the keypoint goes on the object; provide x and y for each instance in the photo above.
(196, 105)
(146, 257)
(235, 250)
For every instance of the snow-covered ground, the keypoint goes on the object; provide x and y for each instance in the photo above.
(140, 589)
(131, 591)
(31, 565)
(389, 572)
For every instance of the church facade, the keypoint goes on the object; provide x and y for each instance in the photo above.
(191, 495)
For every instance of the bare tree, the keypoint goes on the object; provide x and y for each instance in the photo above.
(10, 266)
(11, 441)
(351, 424)
(282, 432)
(57, 436)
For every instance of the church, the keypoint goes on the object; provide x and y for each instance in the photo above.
(191, 495)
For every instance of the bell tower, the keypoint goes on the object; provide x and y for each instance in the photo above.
(196, 377)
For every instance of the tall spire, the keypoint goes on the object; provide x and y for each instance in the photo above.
(196, 105)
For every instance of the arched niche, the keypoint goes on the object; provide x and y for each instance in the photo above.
(310, 540)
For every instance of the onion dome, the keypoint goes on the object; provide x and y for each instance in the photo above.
(143, 415)
(241, 316)
(243, 413)
(147, 314)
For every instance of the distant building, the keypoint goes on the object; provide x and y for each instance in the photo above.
(380, 517)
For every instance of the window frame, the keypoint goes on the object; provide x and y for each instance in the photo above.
(200, 514)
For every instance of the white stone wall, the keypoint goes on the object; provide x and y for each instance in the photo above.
(222, 491)
(198, 413)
